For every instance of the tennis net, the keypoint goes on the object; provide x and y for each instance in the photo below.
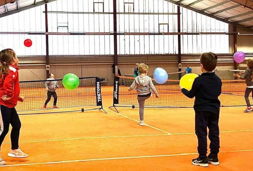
(171, 96)
(86, 97)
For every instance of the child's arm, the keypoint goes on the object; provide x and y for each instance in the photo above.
(46, 84)
(21, 98)
(152, 86)
(241, 75)
(246, 74)
(8, 87)
(133, 86)
(55, 84)
(193, 91)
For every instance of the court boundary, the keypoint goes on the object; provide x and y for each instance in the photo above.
(116, 158)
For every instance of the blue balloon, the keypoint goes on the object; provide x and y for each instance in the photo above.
(160, 75)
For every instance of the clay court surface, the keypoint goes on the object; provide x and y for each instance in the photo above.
(94, 140)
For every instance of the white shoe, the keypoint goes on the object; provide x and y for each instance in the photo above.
(141, 123)
(17, 154)
(248, 109)
(2, 162)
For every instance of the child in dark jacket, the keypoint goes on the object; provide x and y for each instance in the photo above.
(206, 90)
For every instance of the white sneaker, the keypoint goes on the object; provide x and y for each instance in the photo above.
(141, 123)
(2, 162)
(17, 154)
(248, 109)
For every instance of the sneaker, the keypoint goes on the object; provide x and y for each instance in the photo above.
(17, 154)
(2, 162)
(44, 106)
(200, 162)
(141, 123)
(248, 109)
(213, 159)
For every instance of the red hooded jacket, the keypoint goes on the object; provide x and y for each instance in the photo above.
(9, 86)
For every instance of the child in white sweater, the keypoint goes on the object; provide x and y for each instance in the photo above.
(144, 86)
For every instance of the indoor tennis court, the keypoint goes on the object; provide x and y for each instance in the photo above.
(89, 51)
(94, 140)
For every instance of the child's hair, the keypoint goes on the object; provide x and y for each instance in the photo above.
(143, 68)
(250, 64)
(209, 61)
(6, 58)
(51, 75)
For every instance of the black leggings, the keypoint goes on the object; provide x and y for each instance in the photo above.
(10, 116)
(246, 95)
(49, 95)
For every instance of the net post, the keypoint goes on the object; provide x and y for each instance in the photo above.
(115, 94)
(116, 91)
(98, 92)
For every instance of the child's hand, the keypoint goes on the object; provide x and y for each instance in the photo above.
(183, 89)
(236, 75)
(5, 98)
(21, 98)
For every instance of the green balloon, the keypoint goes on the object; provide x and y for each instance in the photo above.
(70, 81)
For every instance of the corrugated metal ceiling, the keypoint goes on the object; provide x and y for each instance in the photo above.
(231, 11)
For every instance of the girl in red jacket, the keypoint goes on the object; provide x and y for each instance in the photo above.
(9, 95)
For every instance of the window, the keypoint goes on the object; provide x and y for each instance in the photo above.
(129, 7)
(98, 6)
(62, 23)
(163, 27)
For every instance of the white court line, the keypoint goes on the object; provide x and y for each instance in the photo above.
(99, 159)
(184, 133)
(116, 158)
(164, 133)
(158, 129)
(95, 137)
(225, 131)
(124, 136)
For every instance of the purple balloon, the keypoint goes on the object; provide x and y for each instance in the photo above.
(239, 57)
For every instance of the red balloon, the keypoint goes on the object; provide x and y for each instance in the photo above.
(28, 42)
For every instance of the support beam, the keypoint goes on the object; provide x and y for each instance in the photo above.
(179, 55)
(245, 20)
(235, 44)
(214, 6)
(198, 11)
(25, 8)
(17, 4)
(120, 33)
(240, 15)
(245, 3)
(195, 2)
(119, 13)
(47, 44)
(226, 9)
(115, 36)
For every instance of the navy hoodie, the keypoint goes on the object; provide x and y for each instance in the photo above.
(206, 89)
